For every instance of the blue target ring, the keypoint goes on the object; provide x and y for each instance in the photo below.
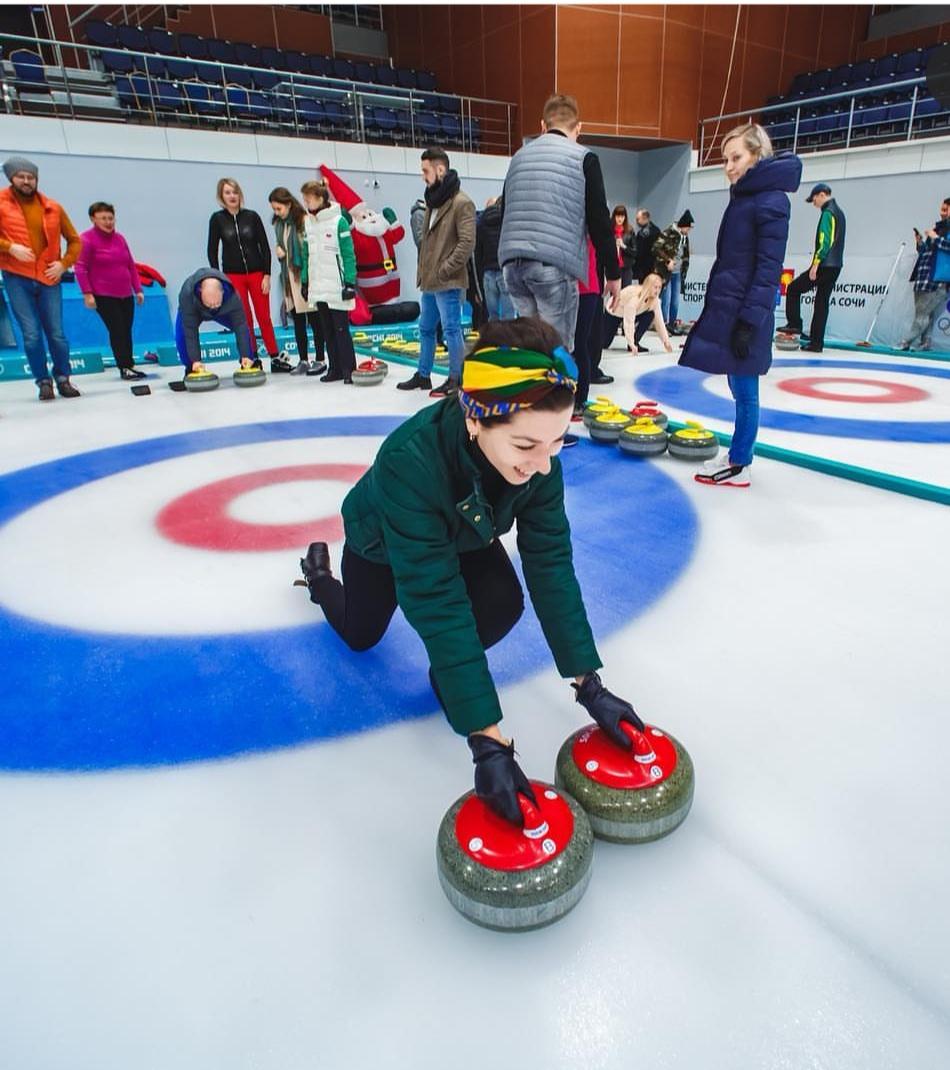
(77, 700)
(685, 388)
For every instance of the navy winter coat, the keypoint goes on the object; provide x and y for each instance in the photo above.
(745, 277)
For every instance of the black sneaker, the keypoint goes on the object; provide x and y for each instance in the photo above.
(46, 390)
(130, 373)
(66, 389)
(809, 348)
(569, 440)
(281, 363)
(788, 328)
(417, 382)
(642, 349)
(600, 379)
(317, 369)
(448, 389)
(332, 377)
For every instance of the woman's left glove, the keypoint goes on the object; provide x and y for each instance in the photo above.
(742, 340)
(498, 777)
(607, 709)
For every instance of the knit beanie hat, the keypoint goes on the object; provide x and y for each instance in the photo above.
(498, 380)
(686, 219)
(20, 163)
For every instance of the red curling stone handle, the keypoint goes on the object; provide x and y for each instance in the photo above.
(642, 749)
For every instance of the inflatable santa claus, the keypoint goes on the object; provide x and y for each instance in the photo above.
(375, 237)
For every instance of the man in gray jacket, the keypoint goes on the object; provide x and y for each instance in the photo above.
(553, 199)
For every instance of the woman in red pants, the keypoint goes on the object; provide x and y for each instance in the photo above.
(245, 259)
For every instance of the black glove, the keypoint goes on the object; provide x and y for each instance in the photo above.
(498, 777)
(304, 290)
(742, 340)
(607, 709)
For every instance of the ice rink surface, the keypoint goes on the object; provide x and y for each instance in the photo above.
(207, 864)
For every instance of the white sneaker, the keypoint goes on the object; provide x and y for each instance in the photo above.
(721, 472)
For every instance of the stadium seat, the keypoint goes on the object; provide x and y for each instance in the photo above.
(181, 69)
(884, 66)
(337, 117)
(272, 58)
(30, 75)
(118, 62)
(311, 113)
(428, 125)
(248, 55)
(238, 102)
(204, 99)
(163, 42)
(125, 92)
(425, 80)
(212, 73)
(385, 75)
(909, 63)
(193, 46)
(221, 51)
(451, 129)
(168, 96)
(267, 80)
(134, 38)
(101, 34)
(343, 69)
(364, 72)
(318, 66)
(239, 76)
(297, 62)
(406, 77)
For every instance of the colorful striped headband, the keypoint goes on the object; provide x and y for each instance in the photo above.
(500, 380)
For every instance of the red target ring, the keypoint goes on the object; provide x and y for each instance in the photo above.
(200, 519)
(889, 393)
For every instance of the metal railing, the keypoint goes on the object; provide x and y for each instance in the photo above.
(842, 136)
(153, 95)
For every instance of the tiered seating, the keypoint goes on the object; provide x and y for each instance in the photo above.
(884, 113)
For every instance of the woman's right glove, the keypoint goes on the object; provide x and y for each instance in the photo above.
(498, 777)
(742, 340)
(607, 709)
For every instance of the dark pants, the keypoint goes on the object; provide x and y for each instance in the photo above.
(300, 320)
(611, 323)
(587, 337)
(117, 314)
(360, 608)
(336, 330)
(823, 285)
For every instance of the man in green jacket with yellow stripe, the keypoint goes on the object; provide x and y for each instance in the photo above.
(422, 532)
(822, 274)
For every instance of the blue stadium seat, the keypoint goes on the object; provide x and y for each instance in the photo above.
(840, 76)
(163, 42)
(181, 69)
(239, 105)
(451, 129)
(884, 66)
(125, 92)
(267, 80)
(450, 105)
(239, 76)
(867, 121)
(428, 126)
(364, 72)
(221, 51)
(118, 62)
(425, 80)
(403, 123)
(318, 66)
(211, 73)
(272, 58)
(909, 63)
(897, 116)
(311, 112)
(337, 117)
(388, 123)
(134, 38)
(385, 75)
(169, 97)
(248, 55)
(193, 46)
(101, 34)
(28, 67)
(297, 62)
(204, 99)
(343, 69)
(143, 89)
(927, 106)
(260, 106)
(801, 85)
(406, 77)
(861, 72)
(473, 132)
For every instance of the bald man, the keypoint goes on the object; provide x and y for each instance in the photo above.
(209, 295)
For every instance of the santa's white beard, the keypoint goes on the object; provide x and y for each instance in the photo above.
(374, 226)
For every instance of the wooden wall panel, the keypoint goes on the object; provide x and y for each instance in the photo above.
(538, 48)
(767, 26)
(641, 73)
(679, 106)
(588, 41)
(301, 31)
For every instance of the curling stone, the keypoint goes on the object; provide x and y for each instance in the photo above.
(651, 409)
(596, 408)
(370, 372)
(608, 425)
(642, 438)
(504, 877)
(693, 443)
(200, 382)
(787, 342)
(249, 377)
(629, 796)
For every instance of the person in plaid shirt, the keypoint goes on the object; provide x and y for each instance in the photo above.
(930, 295)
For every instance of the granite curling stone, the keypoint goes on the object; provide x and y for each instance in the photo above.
(651, 409)
(514, 879)
(596, 408)
(693, 443)
(370, 372)
(642, 438)
(201, 382)
(607, 426)
(249, 377)
(629, 796)
(787, 342)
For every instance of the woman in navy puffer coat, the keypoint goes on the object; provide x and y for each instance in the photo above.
(733, 335)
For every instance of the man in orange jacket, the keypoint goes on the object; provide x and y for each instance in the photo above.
(32, 229)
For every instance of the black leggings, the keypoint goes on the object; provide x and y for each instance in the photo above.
(117, 314)
(360, 608)
(587, 337)
(300, 320)
(336, 330)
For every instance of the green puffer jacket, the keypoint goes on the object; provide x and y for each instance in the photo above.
(418, 508)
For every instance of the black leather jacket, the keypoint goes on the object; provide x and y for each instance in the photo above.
(243, 241)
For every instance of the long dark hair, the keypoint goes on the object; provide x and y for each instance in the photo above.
(626, 217)
(526, 332)
(282, 195)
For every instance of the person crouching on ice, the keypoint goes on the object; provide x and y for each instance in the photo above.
(423, 530)
(208, 295)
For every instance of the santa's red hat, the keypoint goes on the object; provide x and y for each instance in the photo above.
(339, 190)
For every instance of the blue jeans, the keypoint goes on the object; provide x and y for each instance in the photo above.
(670, 298)
(39, 310)
(745, 389)
(444, 305)
(498, 303)
(544, 290)
(182, 346)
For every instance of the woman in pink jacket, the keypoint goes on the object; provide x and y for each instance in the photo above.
(109, 280)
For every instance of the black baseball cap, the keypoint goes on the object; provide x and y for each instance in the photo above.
(820, 188)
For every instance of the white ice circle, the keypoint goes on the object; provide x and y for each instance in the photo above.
(123, 576)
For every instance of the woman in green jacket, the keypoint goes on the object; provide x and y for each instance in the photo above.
(422, 532)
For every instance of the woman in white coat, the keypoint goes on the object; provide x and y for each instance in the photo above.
(329, 274)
